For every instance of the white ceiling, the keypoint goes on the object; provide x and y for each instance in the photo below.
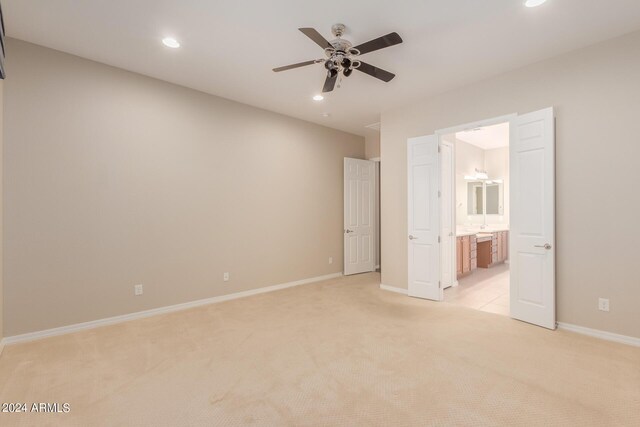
(230, 46)
(488, 137)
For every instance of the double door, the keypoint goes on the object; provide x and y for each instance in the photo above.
(532, 218)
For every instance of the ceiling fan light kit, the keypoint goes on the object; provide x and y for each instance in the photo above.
(342, 56)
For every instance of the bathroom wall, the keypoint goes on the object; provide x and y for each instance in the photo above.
(469, 158)
(496, 163)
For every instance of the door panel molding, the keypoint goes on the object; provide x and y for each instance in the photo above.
(532, 229)
(359, 211)
(423, 234)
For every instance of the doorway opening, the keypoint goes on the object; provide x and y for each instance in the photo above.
(475, 217)
(529, 241)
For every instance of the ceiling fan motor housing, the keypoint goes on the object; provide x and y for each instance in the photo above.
(340, 55)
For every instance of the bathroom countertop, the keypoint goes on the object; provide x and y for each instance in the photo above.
(465, 233)
(490, 229)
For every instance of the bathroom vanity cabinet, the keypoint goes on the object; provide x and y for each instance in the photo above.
(493, 248)
(466, 255)
(482, 250)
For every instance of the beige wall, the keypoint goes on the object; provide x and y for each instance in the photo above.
(115, 179)
(372, 144)
(1, 209)
(595, 93)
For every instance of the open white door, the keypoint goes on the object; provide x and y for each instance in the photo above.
(532, 233)
(359, 220)
(424, 217)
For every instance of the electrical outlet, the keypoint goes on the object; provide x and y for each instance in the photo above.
(138, 290)
(603, 304)
(330, 260)
(225, 277)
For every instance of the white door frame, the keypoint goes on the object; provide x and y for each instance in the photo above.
(460, 128)
(450, 238)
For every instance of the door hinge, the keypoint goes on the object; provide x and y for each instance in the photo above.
(439, 194)
(438, 148)
(440, 284)
(438, 239)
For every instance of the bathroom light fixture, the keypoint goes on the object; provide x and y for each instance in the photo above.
(171, 42)
(318, 97)
(479, 176)
(533, 3)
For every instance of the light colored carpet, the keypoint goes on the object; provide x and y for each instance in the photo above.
(336, 353)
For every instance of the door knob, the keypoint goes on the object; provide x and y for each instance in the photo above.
(412, 238)
(348, 231)
(546, 246)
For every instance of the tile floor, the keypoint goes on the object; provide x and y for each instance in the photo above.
(486, 289)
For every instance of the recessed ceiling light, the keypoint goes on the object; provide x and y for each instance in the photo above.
(171, 42)
(318, 98)
(533, 3)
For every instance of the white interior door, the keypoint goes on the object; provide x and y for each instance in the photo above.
(359, 220)
(532, 231)
(447, 217)
(424, 217)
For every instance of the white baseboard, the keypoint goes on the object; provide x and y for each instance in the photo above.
(156, 311)
(609, 336)
(1, 346)
(393, 289)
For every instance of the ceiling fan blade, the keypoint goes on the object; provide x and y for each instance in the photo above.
(289, 67)
(376, 72)
(329, 83)
(379, 43)
(316, 37)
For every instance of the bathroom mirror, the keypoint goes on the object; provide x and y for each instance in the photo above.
(475, 198)
(494, 201)
(481, 194)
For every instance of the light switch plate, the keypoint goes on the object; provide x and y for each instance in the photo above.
(225, 277)
(138, 290)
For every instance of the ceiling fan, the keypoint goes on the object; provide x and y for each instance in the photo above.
(342, 56)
